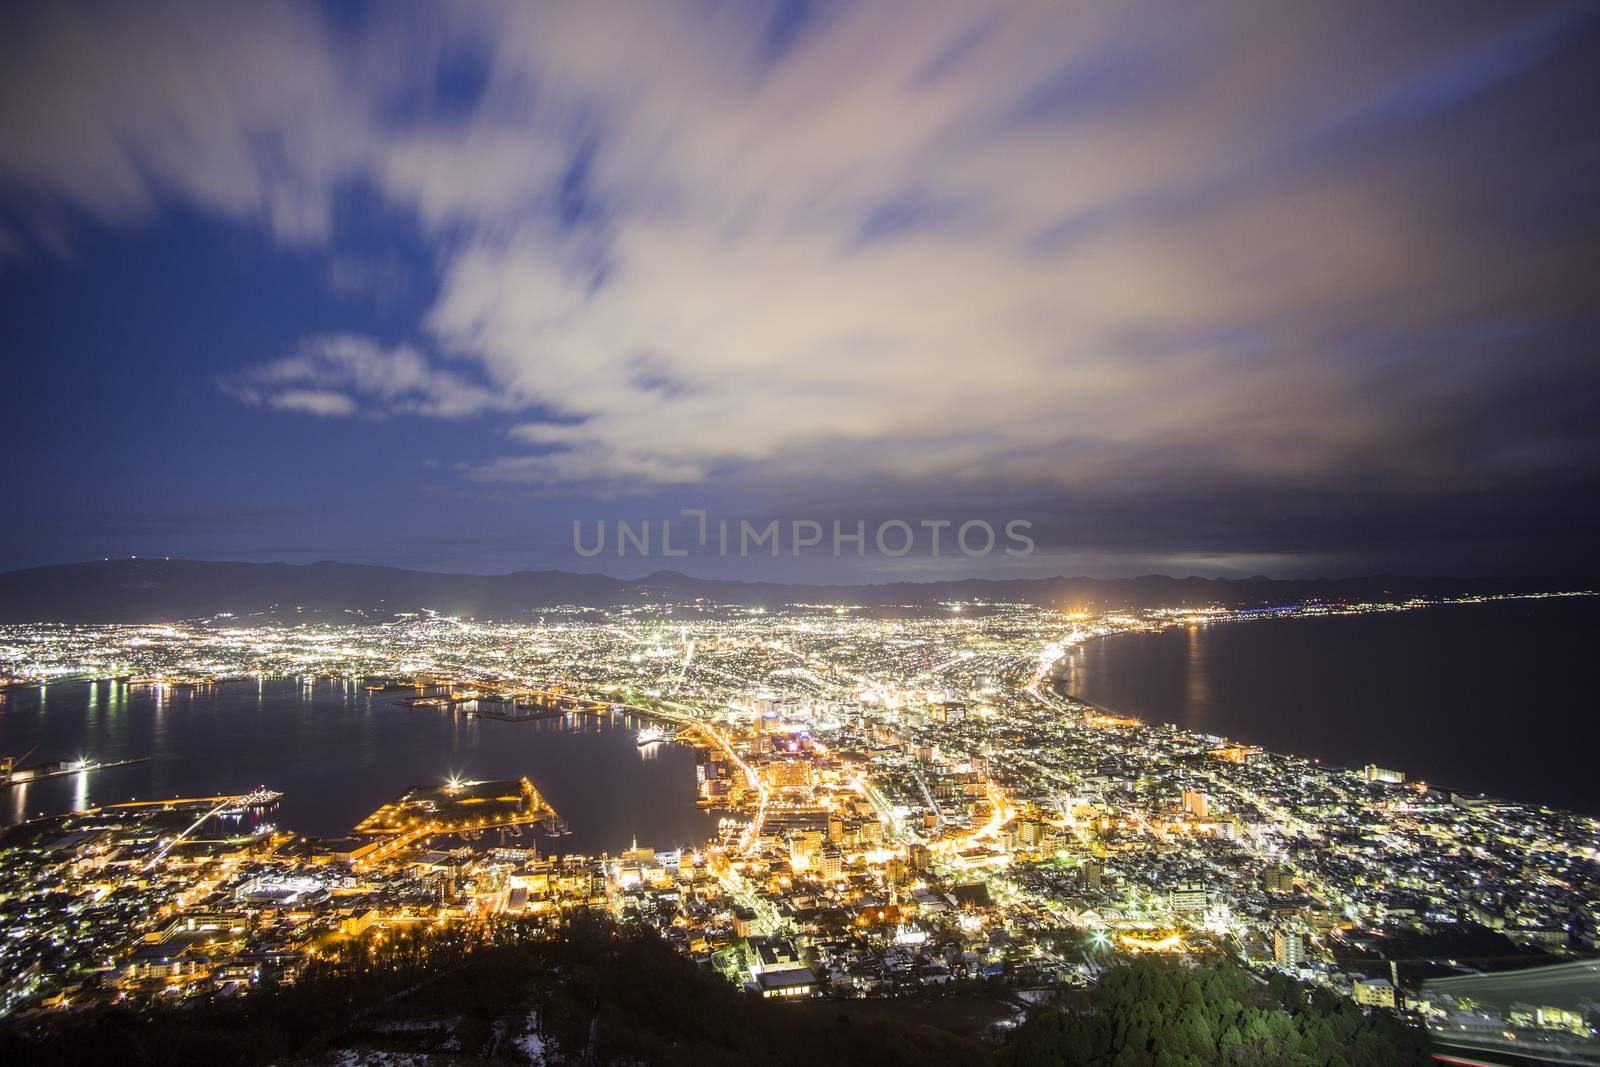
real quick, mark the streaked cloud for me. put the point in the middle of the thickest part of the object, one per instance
(345, 374)
(1091, 248)
(309, 401)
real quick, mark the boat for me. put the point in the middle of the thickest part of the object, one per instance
(651, 735)
(259, 797)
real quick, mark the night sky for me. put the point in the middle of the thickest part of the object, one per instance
(1221, 289)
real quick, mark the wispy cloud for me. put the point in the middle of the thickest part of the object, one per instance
(344, 374)
(1092, 248)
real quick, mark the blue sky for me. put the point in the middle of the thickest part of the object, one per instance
(1216, 289)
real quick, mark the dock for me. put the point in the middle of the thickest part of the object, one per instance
(24, 775)
(512, 707)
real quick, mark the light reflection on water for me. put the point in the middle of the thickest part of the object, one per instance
(1197, 688)
(337, 752)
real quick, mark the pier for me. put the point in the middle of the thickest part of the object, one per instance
(457, 807)
(25, 775)
(522, 706)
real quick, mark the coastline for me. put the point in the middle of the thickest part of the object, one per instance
(1263, 726)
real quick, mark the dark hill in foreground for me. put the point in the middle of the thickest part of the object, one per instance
(136, 590)
(592, 993)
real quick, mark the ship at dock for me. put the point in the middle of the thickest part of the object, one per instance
(259, 797)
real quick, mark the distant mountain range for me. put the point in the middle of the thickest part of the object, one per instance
(138, 590)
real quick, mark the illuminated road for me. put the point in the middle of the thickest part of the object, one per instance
(886, 815)
(753, 833)
(175, 802)
(164, 849)
(1002, 814)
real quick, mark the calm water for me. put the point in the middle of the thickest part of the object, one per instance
(337, 752)
(1498, 698)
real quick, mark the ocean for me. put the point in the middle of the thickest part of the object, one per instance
(1498, 697)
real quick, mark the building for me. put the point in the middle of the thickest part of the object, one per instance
(1374, 993)
(344, 849)
(1189, 897)
(772, 954)
(1091, 875)
(793, 982)
(1196, 803)
(1028, 834)
(832, 863)
(805, 848)
(1288, 948)
(789, 774)
(1374, 773)
(359, 921)
(1278, 879)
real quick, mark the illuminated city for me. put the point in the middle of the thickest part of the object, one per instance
(799, 533)
(903, 804)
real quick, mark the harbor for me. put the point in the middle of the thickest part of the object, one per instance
(334, 748)
(504, 706)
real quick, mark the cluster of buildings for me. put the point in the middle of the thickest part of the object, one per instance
(907, 804)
